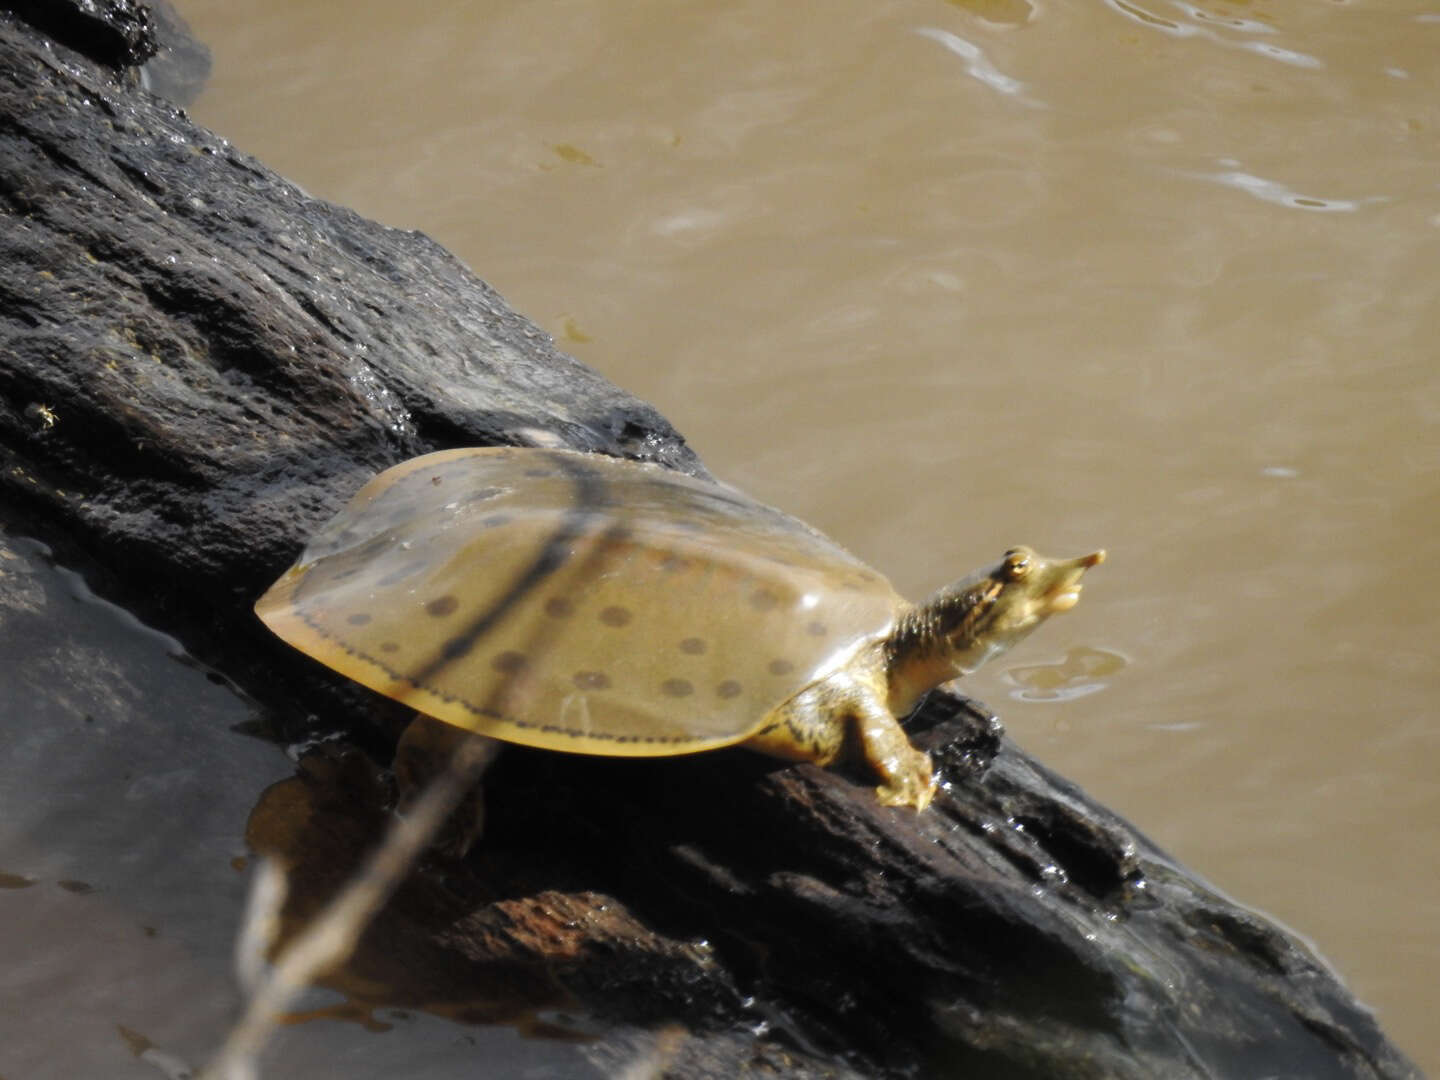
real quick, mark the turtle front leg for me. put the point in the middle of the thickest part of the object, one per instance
(815, 726)
(909, 778)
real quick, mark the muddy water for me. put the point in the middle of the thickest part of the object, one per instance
(943, 277)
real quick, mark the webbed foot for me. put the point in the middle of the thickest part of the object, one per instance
(909, 779)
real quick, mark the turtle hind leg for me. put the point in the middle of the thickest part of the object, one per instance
(808, 727)
(821, 722)
(427, 748)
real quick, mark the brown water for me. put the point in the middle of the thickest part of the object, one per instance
(943, 277)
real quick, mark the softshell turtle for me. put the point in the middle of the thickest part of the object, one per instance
(580, 602)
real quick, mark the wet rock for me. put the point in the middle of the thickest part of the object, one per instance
(117, 34)
(199, 363)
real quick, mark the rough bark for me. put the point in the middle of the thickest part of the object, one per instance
(199, 363)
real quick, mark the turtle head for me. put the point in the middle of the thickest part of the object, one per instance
(981, 615)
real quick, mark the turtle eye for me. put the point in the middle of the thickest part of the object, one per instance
(1017, 564)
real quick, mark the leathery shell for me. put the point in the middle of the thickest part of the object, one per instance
(575, 601)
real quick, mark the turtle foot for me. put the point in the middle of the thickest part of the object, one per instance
(910, 783)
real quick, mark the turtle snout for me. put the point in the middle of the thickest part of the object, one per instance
(1066, 593)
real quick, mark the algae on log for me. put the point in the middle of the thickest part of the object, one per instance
(199, 364)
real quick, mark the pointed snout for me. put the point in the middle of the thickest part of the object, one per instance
(1065, 593)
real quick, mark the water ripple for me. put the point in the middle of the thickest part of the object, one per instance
(1190, 30)
(1272, 191)
(978, 65)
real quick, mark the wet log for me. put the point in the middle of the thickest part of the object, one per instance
(199, 363)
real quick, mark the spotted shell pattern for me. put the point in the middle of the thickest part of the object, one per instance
(575, 601)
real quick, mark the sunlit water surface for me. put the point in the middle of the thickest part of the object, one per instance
(944, 277)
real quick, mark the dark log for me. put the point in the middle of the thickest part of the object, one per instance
(199, 363)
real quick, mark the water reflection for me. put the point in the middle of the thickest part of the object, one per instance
(1083, 671)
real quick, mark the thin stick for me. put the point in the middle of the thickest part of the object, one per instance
(332, 935)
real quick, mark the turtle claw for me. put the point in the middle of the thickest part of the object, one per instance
(912, 783)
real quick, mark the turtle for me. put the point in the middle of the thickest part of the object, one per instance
(581, 602)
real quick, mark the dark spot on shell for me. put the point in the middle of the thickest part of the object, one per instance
(559, 607)
(677, 688)
(591, 680)
(539, 474)
(615, 616)
(728, 689)
(763, 600)
(389, 646)
(456, 648)
(510, 662)
(673, 564)
(817, 629)
(780, 667)
(692, 645)
(495, 520)
(442, 606)
(479, 495)
(360, 618)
